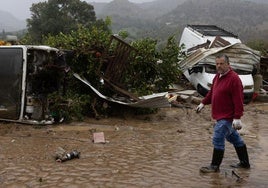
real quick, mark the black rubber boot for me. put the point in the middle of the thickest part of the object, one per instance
(242, 154)
(216, 162)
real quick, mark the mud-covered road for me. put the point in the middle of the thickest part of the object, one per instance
(160, 150)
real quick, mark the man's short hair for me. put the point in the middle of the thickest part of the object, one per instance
(224, 56)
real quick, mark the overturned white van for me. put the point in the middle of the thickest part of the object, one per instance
(28, 74)
(203, 43)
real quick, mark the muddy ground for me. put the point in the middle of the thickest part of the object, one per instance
(160, 150)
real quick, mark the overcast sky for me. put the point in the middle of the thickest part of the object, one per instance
(20, 8)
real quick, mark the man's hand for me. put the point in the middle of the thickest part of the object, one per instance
(237, 124)
(199, 107)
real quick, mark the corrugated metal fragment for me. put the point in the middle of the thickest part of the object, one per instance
(149, 101)
(240, 56)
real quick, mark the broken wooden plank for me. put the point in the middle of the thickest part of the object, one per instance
(188, 92)
(120, 90)
(184, 98)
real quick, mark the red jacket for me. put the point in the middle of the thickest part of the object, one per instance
(226, 97)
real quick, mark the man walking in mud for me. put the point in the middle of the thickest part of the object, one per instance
(226, 99)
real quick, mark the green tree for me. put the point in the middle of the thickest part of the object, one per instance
(87, 47)
(168, 68)
(142, 72)
(153, 70)
(59, 16)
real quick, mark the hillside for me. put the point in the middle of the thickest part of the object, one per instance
(9, 23)
(123, 8)
(162, 18)
(158, 8)
(246, 19)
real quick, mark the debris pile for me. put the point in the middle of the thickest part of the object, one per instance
(183, 99)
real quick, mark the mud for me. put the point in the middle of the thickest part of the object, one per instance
(161, 150)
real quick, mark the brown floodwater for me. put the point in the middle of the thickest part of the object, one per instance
(161, 150)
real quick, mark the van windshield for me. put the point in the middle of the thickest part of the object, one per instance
(242, 72)
(210, 69)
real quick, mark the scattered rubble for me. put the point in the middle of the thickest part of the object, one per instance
(184, 98)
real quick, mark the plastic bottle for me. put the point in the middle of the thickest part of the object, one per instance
(71, 155)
